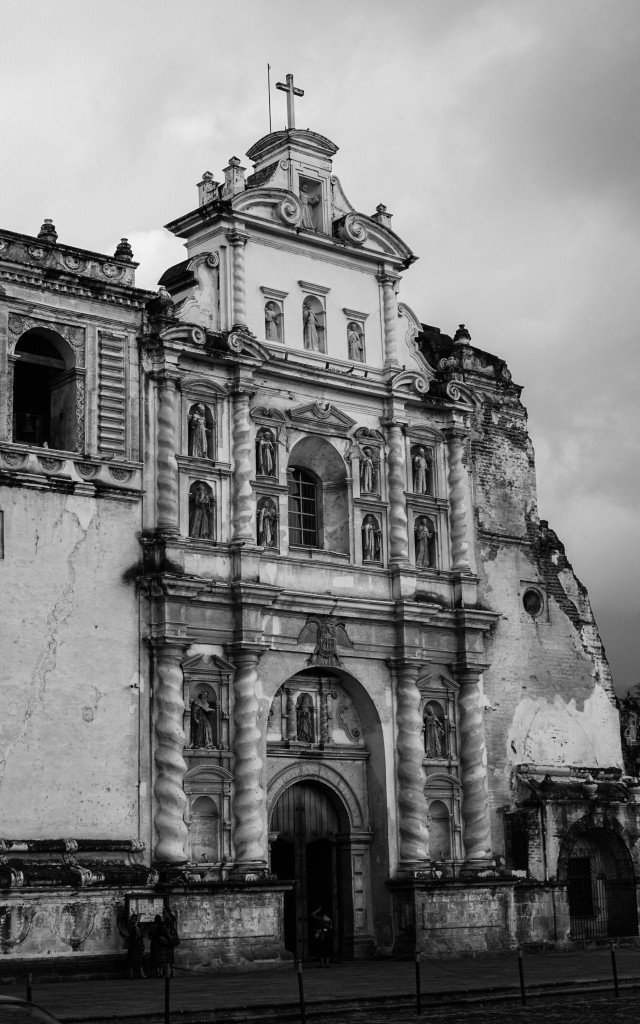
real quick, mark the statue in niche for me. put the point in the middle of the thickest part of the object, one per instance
(422, 536)
(266, 454)
(312, 329)
(371, 539)
(202, 722)
(308, 202)
(355, 342)
(433, 733)
(304, 719)
(272, 322)
(420, 466)
(201, 509)
(368, 472)
(198, 443)
(268, 524)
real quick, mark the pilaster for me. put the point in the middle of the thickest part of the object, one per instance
(249, 809)
(412, 803)
(238, 241)
(170, 800)
(167, 500)
(473, 763)
(390, 316)
(398, 524)
(243, 517)
(456, 438)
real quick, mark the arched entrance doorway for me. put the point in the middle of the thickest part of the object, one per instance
(600, 886)
(306, 823)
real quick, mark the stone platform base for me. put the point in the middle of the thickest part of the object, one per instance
(476, 916)
(72, 933)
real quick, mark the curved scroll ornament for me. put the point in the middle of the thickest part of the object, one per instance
(15, 925)
(289, 210)
(347, 719)
(398, 528)
(171, 801)
(457, 473)
(242, 473)
(249, 797)
(414, 834)
(473, 761)
(353, 229)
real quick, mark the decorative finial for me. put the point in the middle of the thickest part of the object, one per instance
(233, 178)
(382, 216)
(461, 336)
(291, 91)
(207, 189)
(47, 232)
(123, 250)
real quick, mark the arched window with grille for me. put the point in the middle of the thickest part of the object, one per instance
(304, 526)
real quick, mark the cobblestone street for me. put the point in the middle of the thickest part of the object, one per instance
(588, 1008)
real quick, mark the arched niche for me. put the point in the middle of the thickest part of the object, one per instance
(48, 392)
(314, 335)
(425, 536)
(201, 431)
(436, 730)
(202, 518)
(440, 832)
(208, 814)
(316, 457)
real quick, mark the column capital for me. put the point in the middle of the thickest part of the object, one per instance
(393, 421)
(388, 277)
(167, 376)
(237, 236)
(168, 645)
(456, 432)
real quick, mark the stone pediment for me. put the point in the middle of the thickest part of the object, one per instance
(321, 418)
(206, 666)
(436, 677)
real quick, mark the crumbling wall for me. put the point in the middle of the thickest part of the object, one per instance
(548, 692)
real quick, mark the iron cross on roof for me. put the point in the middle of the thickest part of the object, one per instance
(291, 91)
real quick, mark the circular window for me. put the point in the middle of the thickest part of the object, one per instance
(533, 603)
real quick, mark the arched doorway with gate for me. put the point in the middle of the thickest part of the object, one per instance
(326, 811)
(601, 891)
(307, 822)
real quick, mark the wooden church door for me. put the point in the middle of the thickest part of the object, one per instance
(307, 824)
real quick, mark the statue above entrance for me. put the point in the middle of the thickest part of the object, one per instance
(328, 634)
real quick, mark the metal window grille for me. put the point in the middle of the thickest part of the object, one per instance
(303, 510)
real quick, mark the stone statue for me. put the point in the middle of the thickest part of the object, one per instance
(304, 719)
(266, 454)
(420, 467)
(312, 327)
(355, 342)
(433, 733)
(371, 539)
(202, 722)
(272, 322)
(200, 519)
(308, 202)
(422, 535)
(198, 443)
(367, 472)
(268, 525)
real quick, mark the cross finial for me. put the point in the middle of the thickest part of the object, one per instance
(291, 91)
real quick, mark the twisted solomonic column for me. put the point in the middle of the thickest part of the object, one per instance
(242, 469)
(167, 502)
(170, 765)
(398, 528)
(292, 725)
(248, 801)
(473, 762)
(457, 478)
(412, 803)
(239, 284)
(390, 314)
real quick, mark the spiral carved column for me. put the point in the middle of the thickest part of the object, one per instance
(292, 725)
(473, 761)
(248, 801)
(390, 314)
(398, 527)
(239, 280)
(457, 476)
(243, 528)
(168, 509)
(170, 765)
(412, 803)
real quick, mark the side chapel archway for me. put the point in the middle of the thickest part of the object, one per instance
(597, 868)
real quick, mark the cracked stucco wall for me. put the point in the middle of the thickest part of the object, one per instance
(69, 667)
(548, 691)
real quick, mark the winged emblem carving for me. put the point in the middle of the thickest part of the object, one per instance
(327, 634)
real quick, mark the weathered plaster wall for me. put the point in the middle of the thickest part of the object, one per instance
(548, 693)
(69, 728)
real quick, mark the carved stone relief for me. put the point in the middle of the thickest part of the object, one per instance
(310, 710)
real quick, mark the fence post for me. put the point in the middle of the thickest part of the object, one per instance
(29, 987)
(521, 973)
(303, 1008)
(416, 957)
(167, 993)
(615, 970)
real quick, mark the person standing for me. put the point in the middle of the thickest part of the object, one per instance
(135, 946)
(323, 935)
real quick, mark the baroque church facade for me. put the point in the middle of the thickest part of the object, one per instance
(283, 627)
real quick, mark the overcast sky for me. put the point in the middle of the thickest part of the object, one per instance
(503, 136)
